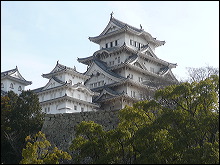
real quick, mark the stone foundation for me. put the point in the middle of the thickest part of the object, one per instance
(60, 128)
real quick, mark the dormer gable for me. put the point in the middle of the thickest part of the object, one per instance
(53, 82)
(15, 75)
(60, 69)
(110, 28)
(105, 94)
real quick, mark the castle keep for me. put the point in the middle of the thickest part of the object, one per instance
(125, 69)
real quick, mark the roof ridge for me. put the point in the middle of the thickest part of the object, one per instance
(125, 24)
(12, 70)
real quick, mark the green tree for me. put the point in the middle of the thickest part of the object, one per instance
(180, 125)
(20, 116)
(39, 151)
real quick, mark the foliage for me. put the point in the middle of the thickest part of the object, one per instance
(38, 151)
(21, 116)
(180, 125)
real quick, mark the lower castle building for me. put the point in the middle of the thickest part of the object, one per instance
(65, 92)
(12, 80)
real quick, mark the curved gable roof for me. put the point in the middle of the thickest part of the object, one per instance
(121, 26)
(18, 77)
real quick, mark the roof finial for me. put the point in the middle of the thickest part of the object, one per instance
(140, 26)
(57, 61)
(111, 15)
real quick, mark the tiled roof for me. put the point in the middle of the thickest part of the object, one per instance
(124, 27)
(37, 90)
(58, 80)
(7, 74)
(111, 91)
(122, 24)
(62, 67)
(104, 66)
(163, 70)
(131, 58)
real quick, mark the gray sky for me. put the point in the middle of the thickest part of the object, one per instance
(34, 35)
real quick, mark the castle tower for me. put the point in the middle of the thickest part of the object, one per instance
(125, 69)
(65, 92)
(12, 80)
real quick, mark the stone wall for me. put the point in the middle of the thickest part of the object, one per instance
(59, 128)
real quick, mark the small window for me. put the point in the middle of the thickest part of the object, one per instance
(11, 86)
(139, 45)
(111, 44)
(82, 109)
(75, 107)
(48, 109)
(118, 59)
(152, 69)
(135, 43)
(140, 79)
(19, 88)
(2, 85)
(131, 42)
(106, 45)
(45, 110)
(116, 42)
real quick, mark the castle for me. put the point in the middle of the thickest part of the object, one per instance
(123, 71)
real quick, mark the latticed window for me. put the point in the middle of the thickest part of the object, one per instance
(19, 88)
(11, 86)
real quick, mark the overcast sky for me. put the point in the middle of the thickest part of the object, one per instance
(34, 35)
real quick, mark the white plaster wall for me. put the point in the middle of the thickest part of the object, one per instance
(119, 37)
(74, 78)
(135, 74)
(65, 107)
(67, 76)
(139, 39)
(148, 65)
(16, 85)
